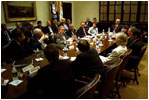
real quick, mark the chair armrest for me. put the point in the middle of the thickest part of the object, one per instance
(134, 57)
(87, 78)
(80, 81)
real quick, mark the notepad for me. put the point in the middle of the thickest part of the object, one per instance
(72, 58)
(16, 82)
(5, 82)
(39, 59)
(2, 70)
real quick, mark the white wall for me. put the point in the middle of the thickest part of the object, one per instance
(43, 14)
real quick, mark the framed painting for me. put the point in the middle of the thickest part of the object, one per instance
(20, 10)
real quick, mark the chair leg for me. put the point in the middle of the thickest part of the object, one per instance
(138, 72)
(117, 90)
(135, 77)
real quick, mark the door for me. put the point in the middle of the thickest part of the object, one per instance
(67, 11)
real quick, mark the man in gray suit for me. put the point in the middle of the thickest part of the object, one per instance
(61, 37)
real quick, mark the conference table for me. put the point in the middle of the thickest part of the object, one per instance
(13, 92)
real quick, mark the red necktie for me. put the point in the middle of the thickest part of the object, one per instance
(115, 28)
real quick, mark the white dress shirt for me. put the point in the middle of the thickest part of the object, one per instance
(93, 31)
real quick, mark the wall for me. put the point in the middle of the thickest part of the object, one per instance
(84, 9)
(43, 13)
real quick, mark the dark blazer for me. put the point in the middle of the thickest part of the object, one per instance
(89, 24)
(4, 40)
(88, 63)
(16, 51)
(42, 28)
(135, 46)
(69, 32)
(55, 28)
(118, 29)
(81, 33)
(34, 44)
(47, 30)
(60, 40)
(55, 79)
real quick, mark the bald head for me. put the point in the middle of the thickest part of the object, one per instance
(117, 21)
(82, 25)
(63, 20)
(18, 25)
(48, 23)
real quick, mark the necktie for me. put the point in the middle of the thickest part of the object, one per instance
(115, 28)
(43, 44)
(84, 32)
(72, 33)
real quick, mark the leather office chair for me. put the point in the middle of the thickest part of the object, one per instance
(125, 58)
(87, 91)
(107, 84)
(133, 67)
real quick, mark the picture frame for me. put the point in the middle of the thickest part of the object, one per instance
(20, 11)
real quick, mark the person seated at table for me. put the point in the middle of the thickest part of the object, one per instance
(18, 28)
(61, 37)
(15, 49)
(55, 79)
(135, 43)
(117, 26)
(93, 29)
(37, 41)
(68, 22)
(71, 31)
(63, 23)
(121, 41)
(55, 26)
(125, 29)
(81, 32)
(6, 36)
(88, 23)
(50, 33)
(87, 62)
(39, 25)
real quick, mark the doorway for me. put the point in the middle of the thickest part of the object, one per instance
(67, 11)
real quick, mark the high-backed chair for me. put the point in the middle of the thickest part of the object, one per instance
(125, 58)
(107, 84)
(88, 91)
(133, 67)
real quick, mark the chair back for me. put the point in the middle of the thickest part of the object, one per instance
(125, 58)
(108, 81)
(143, 49)
(88, 91)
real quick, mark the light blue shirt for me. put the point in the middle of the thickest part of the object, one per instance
(93, 31)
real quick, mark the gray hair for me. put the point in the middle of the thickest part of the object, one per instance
(121, 39)
(133, 29)
(36, 31)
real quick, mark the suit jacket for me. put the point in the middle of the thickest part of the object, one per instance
(47, 30)
(69, 32)
(16, 51)
(61, 24)
(55, 28)
(81, 33)
(88, 63)
(34, 44)
(4, 40)
(42, 28)
(55, 79)
(89, 24)
(114, 56)
(135, 45)
(118, 29)
(60, 40)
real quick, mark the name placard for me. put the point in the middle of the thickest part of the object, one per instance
(27, 68)
(34, 70)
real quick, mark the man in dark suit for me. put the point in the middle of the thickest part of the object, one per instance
(117, 26)
(135, 43)
(88, 23)
(54, 80)
(15, 49)
(39, 25)
(29, 33)
(88, 62)
(55, 26)
(71, 31)
(64, 24)
(37, 41)
(81, 32)
(6, 36)
(49, 32)
(18, 28)
(61, 37)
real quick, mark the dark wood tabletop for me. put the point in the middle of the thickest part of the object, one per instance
(16, 91)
